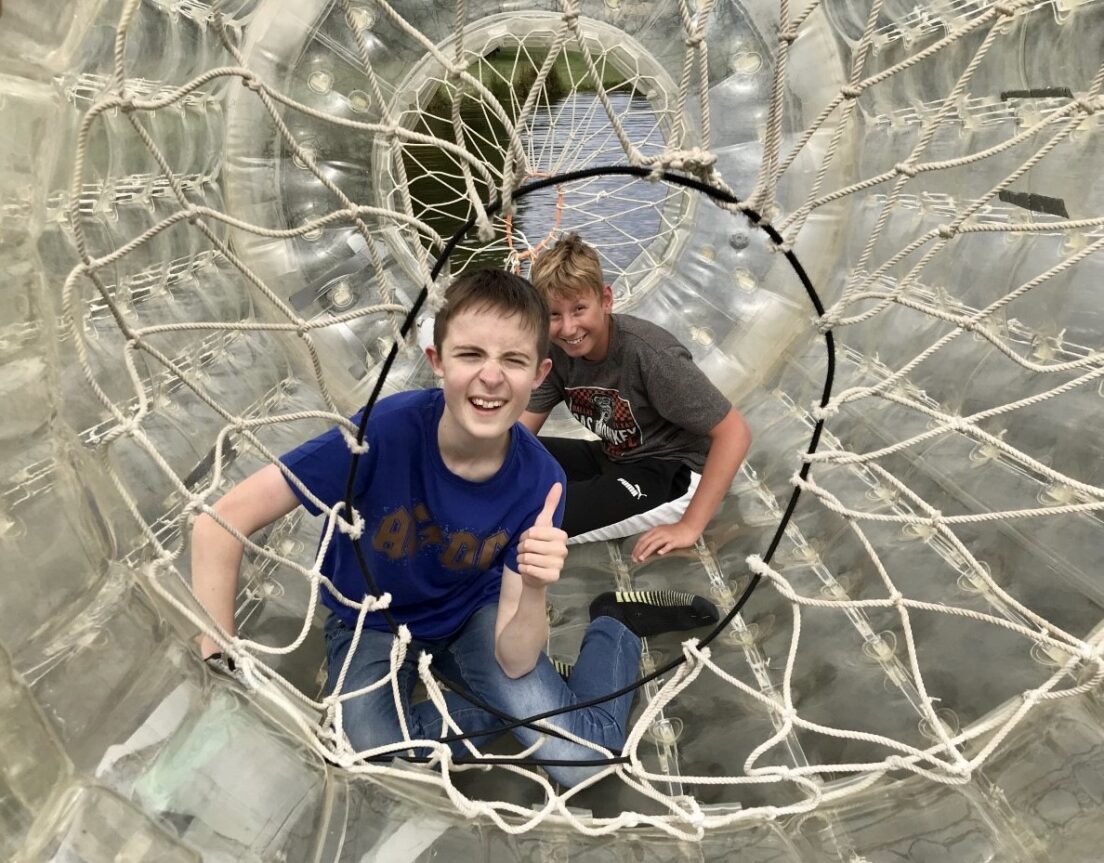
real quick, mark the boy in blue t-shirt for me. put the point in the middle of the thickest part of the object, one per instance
(460, 507)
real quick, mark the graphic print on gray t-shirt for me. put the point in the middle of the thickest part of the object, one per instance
(604, 412)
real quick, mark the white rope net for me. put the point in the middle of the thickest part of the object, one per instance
(464, 130)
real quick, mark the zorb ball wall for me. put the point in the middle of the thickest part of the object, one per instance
(213, 221)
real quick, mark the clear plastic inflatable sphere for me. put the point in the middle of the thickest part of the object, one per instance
(214, 221)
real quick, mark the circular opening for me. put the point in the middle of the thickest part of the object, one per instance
(563, 124)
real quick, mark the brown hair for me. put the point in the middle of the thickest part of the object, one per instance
(569, 268)
(501, 291)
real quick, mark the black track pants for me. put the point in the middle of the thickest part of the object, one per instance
(602, 492)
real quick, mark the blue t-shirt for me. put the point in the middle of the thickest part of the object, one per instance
(435, 541)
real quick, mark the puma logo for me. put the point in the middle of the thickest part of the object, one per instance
(634, 490)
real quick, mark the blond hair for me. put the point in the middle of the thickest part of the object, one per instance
(567, 269)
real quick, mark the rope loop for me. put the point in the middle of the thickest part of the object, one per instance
(353, 529)
(351, 442)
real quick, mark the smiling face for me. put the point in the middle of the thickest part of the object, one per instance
(488, 366)
(579, 323)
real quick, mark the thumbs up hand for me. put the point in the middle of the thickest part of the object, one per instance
(542, 549)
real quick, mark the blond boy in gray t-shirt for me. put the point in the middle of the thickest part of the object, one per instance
(669, 441)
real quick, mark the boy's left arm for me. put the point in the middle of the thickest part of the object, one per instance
(521, 628)
(729, 443)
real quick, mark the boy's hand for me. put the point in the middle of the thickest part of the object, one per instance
(664, 538)
(543, 547)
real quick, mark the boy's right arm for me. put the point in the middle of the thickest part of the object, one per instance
(534, 421)
(253, 503)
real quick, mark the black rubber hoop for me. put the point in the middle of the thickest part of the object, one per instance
(408, 323)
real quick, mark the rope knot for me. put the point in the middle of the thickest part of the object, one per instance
(851, 91)
(789, 36)
(694, 40)
(1086, 105)
(435, 295)
(126, 104)
(127, 427)
(905, 168)
(694, 160)
(252, 82)
(827, 322)
(945, 231)
(485, 232)
(1005, 8)
(192, 215)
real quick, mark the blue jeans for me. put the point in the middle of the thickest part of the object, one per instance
(608, 660)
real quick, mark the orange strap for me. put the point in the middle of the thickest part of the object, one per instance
(516, 257)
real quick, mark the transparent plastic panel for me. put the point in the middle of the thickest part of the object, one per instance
(32, 760)
(1059, 805)
(94, 825)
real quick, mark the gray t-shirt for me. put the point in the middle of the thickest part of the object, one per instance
(646, 399)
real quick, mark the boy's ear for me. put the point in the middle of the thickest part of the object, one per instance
(434, 360)
(543, 368)
(607, 298)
